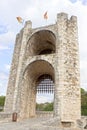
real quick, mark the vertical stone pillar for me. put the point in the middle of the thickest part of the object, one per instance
(17, 92)
(60, 47)
(13, 91)
(13, 73)
(67, 95)
(71, 93)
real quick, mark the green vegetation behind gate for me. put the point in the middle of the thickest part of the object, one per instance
(44, 106)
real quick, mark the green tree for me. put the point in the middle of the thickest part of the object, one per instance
(44, 106)
(83, 102)
(2, 100)
(48, 107)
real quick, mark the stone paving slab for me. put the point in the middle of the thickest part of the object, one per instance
(29, 124)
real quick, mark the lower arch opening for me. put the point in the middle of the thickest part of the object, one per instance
(39, 82)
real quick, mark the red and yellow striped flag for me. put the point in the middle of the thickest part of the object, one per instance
(46, 15)
(20, 20)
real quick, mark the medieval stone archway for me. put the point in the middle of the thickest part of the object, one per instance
(49, 50)
(32, 75)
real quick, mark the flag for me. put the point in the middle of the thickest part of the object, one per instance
(45, 15)
(20, 20)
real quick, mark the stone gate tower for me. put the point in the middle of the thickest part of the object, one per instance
(50, 50)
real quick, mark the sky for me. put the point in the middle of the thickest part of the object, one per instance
(33, 10)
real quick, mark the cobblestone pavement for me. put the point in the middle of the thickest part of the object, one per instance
(29, 124)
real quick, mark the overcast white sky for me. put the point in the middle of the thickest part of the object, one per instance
(33, 10)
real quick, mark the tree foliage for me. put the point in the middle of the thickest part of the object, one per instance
(2, 100)
(83, 102)
(44, 106)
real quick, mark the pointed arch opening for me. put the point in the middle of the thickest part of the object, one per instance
(41, 42)
(38, 78)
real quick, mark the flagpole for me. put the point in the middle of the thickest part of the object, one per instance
(46, 22)
(46, 17)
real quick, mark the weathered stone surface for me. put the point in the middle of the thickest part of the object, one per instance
(62, 63)
(33, 124)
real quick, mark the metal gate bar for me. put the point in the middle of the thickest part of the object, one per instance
(46, 84)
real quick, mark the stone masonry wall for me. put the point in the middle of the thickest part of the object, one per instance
(13, 73)
(68, 68)
(63, 65)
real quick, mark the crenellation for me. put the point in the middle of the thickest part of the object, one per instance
(74, 20)
(62, 16)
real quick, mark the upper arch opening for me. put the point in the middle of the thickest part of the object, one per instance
(41, 42)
